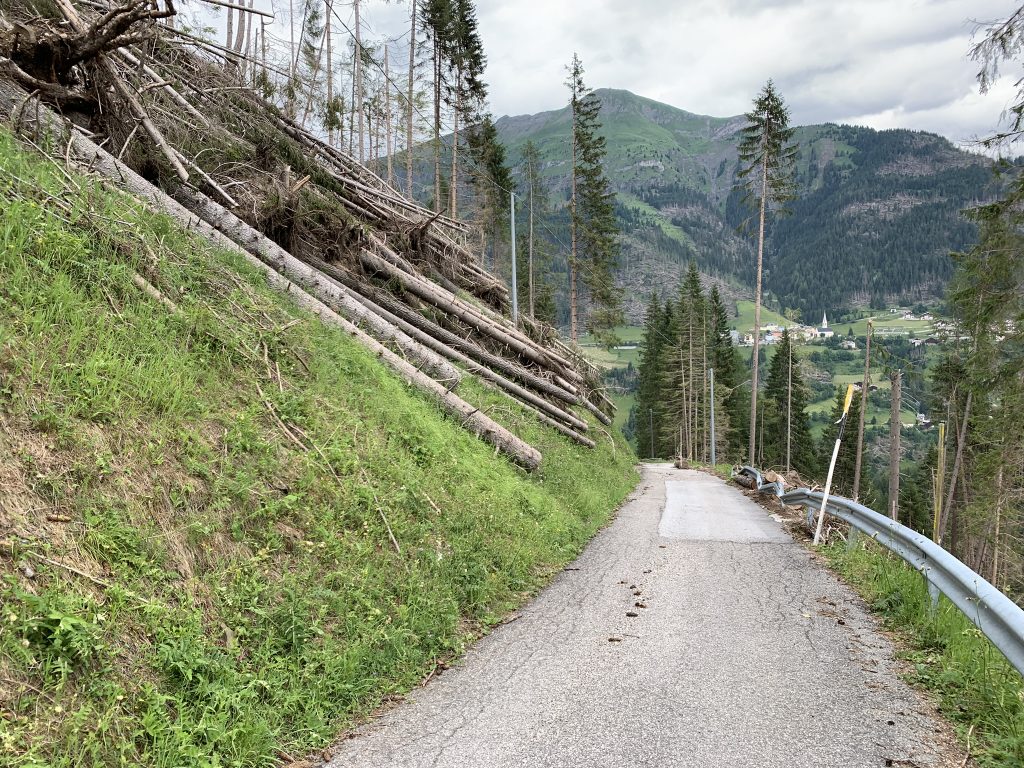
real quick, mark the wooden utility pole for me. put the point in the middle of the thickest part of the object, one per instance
(865, 384)
(388, 117)
(437, 124)
(894, 445)
(409, 114)
(961, 441)
(240, 32)
(940, 483)
(999, 515)
(229, 41)
(330, 70)
(711, 376)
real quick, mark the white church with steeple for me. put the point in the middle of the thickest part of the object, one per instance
(824, 332)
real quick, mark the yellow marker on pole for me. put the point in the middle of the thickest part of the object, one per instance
(832, 465)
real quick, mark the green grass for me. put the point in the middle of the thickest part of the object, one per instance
(659, 219)
(977, 689)
(744, 322)
(623, 404)
(628, 334)
(246, 596)
(886, 324)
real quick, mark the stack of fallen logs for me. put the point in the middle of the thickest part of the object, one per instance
(148, 101)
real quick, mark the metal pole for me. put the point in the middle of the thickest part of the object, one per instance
(832, 465)
(940, 481)
(789, 408)
(711, 374)
(515, 287)
(650, 412)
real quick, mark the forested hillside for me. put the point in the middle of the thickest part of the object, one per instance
(878, 211)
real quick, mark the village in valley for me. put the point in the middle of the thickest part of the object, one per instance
(829, 354)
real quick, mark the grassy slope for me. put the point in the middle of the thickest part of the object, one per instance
(978, 690)
(245, 595)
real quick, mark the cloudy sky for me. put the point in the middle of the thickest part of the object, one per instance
(883, 63)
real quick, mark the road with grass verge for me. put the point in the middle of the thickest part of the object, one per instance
(693, 631)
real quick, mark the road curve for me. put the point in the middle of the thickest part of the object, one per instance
(743, 651)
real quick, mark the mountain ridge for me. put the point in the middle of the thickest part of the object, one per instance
(877, 215)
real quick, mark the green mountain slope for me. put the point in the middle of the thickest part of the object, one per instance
(226, 530)
(877, 216)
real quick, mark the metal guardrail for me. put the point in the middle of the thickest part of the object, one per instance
(997, 616)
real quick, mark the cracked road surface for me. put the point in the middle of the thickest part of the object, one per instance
(693, 631)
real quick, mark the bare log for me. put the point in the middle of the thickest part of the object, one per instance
(436, 296)
(240, 8)
(601, 415)
(93, 157)
(166, 87)
(446, 337)
(520, 393)
(150, 290)
(581, 439)
(274, 256)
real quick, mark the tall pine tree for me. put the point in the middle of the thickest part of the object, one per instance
(535, 280)
(594, 230)
(767, 166)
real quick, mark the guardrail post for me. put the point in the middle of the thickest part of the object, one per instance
(933, 594)
(852, 539)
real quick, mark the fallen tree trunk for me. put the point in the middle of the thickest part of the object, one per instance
(581, 439)
(274, 256)
(436, 296)
(601, 415)
(90, 156)
(519, 392)
(446, 337)
(484, 314)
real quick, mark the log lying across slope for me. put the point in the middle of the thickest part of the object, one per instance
(324, 228)
(90, 155)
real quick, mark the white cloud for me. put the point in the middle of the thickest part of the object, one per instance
(884, 63)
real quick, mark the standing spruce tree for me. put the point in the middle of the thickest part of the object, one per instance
(536, 278)
(768, 161)
(786, 420)
(490, 177)
(467, 92)
(652, 362)
(729, 400)
(595, 233)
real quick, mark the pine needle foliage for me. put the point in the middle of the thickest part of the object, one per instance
(768, 161)
(595, 230)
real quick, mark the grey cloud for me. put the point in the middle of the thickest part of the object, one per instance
(881, 62)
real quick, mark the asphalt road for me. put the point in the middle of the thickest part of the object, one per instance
(693, 631)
